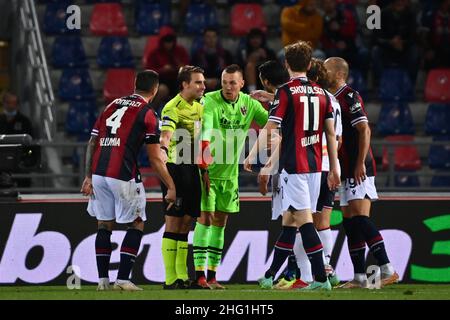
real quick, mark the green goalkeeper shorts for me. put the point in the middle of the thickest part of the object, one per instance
(223, 196)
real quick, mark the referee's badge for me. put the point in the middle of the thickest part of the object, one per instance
(244, 110)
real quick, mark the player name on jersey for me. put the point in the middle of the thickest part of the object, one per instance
(306, 90)
(110, 142)
(127, 102)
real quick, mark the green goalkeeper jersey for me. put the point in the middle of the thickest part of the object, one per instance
(225, 125)
(179, 115)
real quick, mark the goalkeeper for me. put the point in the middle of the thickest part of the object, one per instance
(227, 116)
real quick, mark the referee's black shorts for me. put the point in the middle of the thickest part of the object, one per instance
(189, 190)
(326, 196)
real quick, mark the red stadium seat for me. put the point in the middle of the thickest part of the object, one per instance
(150, 182)
(245, 16)
(107, 19)
(152, 44)
(406, 157)
(437, 87)
(118, 83)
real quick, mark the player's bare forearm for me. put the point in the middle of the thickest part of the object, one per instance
(165, 138)
(154, 156)
(89, 154)
(331, 144)
(364, 141)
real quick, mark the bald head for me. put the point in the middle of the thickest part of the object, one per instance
(337, 69)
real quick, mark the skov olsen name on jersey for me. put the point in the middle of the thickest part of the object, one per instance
(307, 90)
(110, 142)
(307, 141)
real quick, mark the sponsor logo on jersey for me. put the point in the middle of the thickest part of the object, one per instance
(307, 141)
(355, 108)
(109, 142)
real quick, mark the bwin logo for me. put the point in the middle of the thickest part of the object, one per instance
(73, 17)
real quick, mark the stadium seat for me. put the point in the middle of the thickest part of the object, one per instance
(406, 181)
(115, 52)
(286, 3)
(81, 117)
(395, 85)
(438, 119)
(198, 17)
(107, 19)
(357, 82)
(395, 118)
(437, 86)
(150, 17)
(440, 181)
(55, 17)
(152, 44)
(245, 16)
(152, 181)
(406, 157)
(68, 52)
(75, 84)
(103, 1)
(439, 156)
(118, 83)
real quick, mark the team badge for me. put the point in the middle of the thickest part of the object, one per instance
(244, 110)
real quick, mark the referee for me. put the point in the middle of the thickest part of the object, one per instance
(181, 121)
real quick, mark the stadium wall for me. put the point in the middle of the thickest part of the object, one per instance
(40, 239)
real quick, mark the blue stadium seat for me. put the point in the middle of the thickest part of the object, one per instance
(438, 119)
(287, 2)
(152, 16)
(115, 52)
(395, 118)
(395, 85)
(75, 84)
(198, 17)
(439, 156)
(406, 181)
(357, 82)
(81, 117)
(68, 52)
(440, 181)
(55, 18)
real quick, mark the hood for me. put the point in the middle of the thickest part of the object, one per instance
(166, 31)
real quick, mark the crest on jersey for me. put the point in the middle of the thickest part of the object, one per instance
(355, 107)
(244, 110)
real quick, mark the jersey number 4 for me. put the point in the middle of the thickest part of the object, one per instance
(114, 120)
(311, 109)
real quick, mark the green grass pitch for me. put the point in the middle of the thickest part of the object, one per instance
(233, 292)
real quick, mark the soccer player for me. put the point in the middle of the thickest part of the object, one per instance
(358, 175)
(183, 112)
(113, 181)
(227, 116)
(304, 111)
(325, 203)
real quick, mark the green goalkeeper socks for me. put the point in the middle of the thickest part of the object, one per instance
(215, 247)
(181, 258)
(169, 253)
(201, 241)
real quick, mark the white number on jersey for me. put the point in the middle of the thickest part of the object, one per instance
(114, 120)
(316, 109)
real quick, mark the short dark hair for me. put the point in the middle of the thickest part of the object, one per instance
(232, 68)
(318, 73)
(210, 29)
(146, 80)
(185, 72)
(298, 56)
(274, 72)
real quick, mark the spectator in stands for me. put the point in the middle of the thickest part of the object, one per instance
(212, 58)
(12, 121)
(302, 22)
(339, 31)
(251, 54)
(395, 43)
(167, 59)
(438, 38)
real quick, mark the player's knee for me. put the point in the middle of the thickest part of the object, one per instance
(136, 224)
(105, 225)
